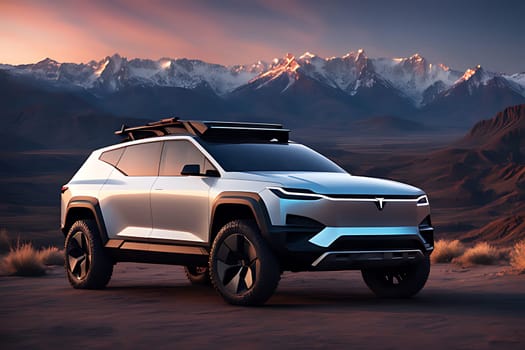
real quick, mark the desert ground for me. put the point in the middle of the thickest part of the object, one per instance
(154, 306)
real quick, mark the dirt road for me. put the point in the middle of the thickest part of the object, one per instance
(154, 307)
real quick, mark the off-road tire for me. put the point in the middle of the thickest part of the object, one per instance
(198, 275)
(87, 264)
(399, 282)
(243, 269)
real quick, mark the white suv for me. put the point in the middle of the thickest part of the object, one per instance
(237, 204)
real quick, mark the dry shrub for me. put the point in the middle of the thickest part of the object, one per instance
(5, 241)
(23, 260)
(51, 256)
(481, 254)
(517, 256)
(445, 251)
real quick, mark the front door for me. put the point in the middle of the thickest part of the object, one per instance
(180, 204)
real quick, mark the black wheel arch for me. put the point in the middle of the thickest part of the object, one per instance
(85, 207)
(230, 206)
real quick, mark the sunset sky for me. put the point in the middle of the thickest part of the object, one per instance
(458, 33)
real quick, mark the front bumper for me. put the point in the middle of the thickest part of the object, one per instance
(349, 248)
(311, 231)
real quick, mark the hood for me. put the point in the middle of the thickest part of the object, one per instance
(331, 183)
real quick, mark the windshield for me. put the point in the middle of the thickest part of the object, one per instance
(269, 157)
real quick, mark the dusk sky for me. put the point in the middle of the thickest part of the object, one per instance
(458, 33)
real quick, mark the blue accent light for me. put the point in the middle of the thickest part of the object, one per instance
(330, 234)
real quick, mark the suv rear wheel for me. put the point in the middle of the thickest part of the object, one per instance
(198, 275)
(401, 282)
(243, 269)
(87, 264)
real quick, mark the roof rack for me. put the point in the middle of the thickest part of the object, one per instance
(208, 130)
(158, 128)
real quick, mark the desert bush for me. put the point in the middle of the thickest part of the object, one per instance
(481, 254)
(517, 256)
(23, 260)
(5, 241)
(51, 256)
(445, 251)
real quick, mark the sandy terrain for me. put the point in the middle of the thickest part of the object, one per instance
(153, 306)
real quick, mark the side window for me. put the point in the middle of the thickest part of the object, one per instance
(112, 157)
(141, 160)
(208, 166)
(176, 154)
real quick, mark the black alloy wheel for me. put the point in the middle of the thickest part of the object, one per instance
(237, 264)
(243, 268)
(78, 255)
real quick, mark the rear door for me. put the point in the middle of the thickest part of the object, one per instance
(125, 197)
(180, 204)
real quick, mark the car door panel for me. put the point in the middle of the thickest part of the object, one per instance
(180, 204)
(125, 197)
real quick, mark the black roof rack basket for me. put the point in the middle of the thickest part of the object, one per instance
(208, 130)
(158, 128)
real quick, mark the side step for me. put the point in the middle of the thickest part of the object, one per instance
(122, 250)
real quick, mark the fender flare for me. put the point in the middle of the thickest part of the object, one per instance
(92, 204)
(249, 199)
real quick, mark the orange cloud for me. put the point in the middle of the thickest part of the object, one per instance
(84, 30)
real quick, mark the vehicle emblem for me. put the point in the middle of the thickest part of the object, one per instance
(380, 204)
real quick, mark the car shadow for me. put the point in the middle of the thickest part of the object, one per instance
(430, 300)
(435, 301)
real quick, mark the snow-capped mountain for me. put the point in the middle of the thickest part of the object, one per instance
(348, 73)
(413, 77)
(115, 72)
(416, 77)
(342, 87)
(473, 78)
(476, 79)
(285, 67)
(517, 81)
(475, 95)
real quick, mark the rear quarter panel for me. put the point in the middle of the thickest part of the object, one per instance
(86, 182)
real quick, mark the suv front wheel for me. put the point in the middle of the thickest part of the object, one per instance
(87, 264)
(243, 269)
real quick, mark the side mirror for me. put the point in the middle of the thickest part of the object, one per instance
(213, 173)
(191, 170)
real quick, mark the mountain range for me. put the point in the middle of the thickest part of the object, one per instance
(306, 90)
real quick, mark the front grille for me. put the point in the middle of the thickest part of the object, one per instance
(368, 243)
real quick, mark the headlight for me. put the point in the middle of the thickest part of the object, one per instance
(294, 193)
(421, 201)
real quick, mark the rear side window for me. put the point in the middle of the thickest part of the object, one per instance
(177, 154)
(141, 160)
(112, 157)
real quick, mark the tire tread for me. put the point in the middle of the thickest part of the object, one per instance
(270, 275)
(101, 265)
